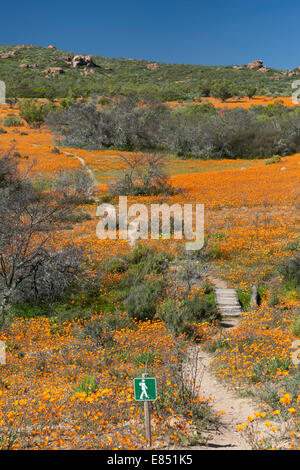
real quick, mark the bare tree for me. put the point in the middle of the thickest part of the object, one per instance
(28, 223)
(143, 175)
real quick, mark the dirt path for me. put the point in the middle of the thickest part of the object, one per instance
(235, 410)
(83, 163)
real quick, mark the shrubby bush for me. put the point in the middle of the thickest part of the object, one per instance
(12, 121)
(144, 176)
(143, 281)
(272, 160)
(224, 91)
(73, 182)
(192, 131)
(290, 269)
(33, 112)
(34, 272)
(141, 300)
(121, 125)
(52, 278)
(180, 316)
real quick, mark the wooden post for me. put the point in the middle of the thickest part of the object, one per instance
(147, 417)
(2, 353)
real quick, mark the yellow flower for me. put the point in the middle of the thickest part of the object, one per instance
(286, 399)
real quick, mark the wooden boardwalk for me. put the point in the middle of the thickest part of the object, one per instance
(227, 302)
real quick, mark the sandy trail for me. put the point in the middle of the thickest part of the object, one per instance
(83, 163)
(236, 409)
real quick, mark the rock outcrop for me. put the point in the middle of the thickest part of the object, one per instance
(28, 66)
(9, 54)
(152, 66)
(83, 61)
(54, 70)
(263, 69)
(256, 64)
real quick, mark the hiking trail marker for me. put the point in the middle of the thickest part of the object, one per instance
(145, 390)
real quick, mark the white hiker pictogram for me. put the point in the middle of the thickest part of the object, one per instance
(144, 388)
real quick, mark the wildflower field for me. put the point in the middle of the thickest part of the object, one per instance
(68, 383)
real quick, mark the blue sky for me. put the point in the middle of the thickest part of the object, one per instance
(215, 32)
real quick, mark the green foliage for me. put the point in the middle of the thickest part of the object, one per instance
(244, 298)
(146, 358)
(96, 331)
(143, 281)
(193, 131)
(274, 159)
(251, 91)
(122, 77)
(223, 90)
(218, 345)
(87, 385)
(141, 262)
(12, 121)
(180, 316)
(271, 392)
(264, 370)
(34, 113)
(116, 265)
(141, 300)
(295, 325)
(290, 270)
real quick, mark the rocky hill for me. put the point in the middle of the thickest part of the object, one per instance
(31, 71)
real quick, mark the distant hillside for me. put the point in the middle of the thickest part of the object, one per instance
(31, 71)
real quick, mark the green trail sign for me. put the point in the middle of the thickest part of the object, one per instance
(145, 389)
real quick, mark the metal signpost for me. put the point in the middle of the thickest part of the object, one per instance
(145, 390)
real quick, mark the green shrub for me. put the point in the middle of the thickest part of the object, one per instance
(274, 159)
(223, 91)
(295, 325)
(250, 92)
(34, 113)
(116, 265)
(290, 269)
(263, 370)
(140, 303)
(2, 131)
(244, 298)
(96, 331)
(12, 121)
(146, 358)
(87, 385)
(145, 260)
(180, 316)
(113, 321)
